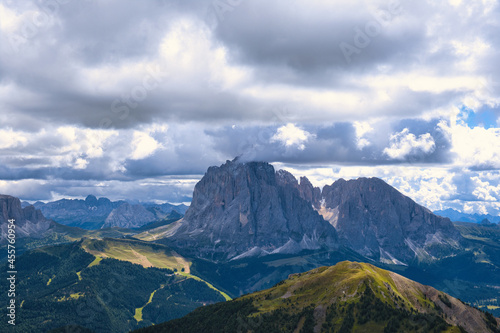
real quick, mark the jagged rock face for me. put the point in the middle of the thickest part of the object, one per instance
(310, 193)
(248, 209)
(29, 221)
(242, 207)
(376, 220)
(129, 216)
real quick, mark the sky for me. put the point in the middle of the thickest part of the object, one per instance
(136, 99)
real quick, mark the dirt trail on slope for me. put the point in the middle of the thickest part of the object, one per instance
(143, 260)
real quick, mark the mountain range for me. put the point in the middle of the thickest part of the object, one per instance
(34, 230)
(250, 210)
(93, 213)
(457, 216)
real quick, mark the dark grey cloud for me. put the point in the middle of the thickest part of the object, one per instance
(111, 32)
(283, 34)
(337, 144)
(296, 44)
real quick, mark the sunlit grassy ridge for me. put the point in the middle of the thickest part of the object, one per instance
(160, 232)
(489, 235)
(96, 261)
(71, 297)
(102, 293)
(144, 254)
(347, 297)
(345, 281)
(226, 296)
(137, 252)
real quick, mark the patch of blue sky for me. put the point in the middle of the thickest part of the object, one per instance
(486, 117)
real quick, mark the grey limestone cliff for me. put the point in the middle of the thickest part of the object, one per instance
(29, 222)
(241, 209)
(378, 221)
(129, 216)
(249, 209)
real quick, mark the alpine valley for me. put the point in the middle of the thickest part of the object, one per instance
(354, 256)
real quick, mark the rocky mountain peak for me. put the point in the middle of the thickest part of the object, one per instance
(247, 209)
(29, 221)
(310, 193)
(486, 222)
(378, 221)
(103, 201)
(241, 207)
(129, 216)
(285, 178)
(91, 200)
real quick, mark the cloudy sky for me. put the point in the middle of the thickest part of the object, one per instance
(135, 99)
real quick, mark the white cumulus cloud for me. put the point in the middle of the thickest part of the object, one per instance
(291, 135)
(361, 129)
(405, 143)
(10, 139)
(143, 145)
(476, 146)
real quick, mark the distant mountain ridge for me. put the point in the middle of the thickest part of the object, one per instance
(33, 229)
(457, 216)
(129, 216)
(93, 213)
(167, 207)
(249, 209)
(90, 213)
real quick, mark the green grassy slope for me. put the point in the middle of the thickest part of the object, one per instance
(137, 252)
(347, 297)
(60, 234)
(100, 294)
(144, 254)
(252, 274)
(489, 235)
